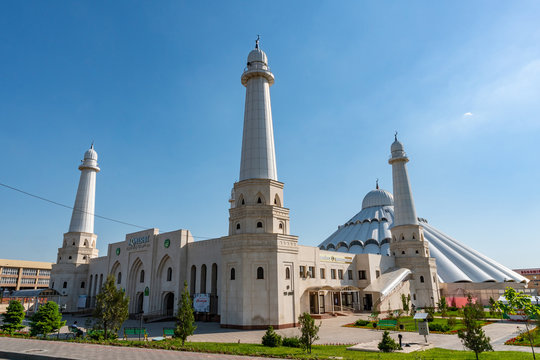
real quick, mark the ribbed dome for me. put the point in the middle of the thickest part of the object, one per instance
(90, 154)
(396, 146)
(377, 197)
(257, 55)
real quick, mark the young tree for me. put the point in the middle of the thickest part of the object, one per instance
(518, 301)
(185, 321)
(309, 331)
(443, 306)
(14, 317)
(111, 308)
(46, 320)
(473, 337)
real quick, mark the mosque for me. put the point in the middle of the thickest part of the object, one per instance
(258, 274)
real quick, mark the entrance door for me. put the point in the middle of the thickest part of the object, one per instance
(168, 304)
(368, 302)
(140, 302)
(321, 304)
(313, 303)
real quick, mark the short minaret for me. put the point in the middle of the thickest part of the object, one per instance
(259, 250)
(258, 154)
(82, 219)
(408, 244)
(70, 273)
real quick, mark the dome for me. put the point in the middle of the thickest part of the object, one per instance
(90, 154)
(377, 197)
(396, 146)
(369, 232)
(257, 55)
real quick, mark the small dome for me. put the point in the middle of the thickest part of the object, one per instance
(377, 197)
(257, 55)
(396, 146)
(90, 154)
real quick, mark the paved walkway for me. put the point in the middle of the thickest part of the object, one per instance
(331, 332)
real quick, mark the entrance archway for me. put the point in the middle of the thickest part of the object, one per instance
(168, 304)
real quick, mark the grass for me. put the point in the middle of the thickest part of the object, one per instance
(408, 323)
(319, 351)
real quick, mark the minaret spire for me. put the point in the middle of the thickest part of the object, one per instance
(404, 210)
(258, 154)
(82, 219)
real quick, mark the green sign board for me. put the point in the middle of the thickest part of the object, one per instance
(117, 251)
(146, 291)
(167, 243)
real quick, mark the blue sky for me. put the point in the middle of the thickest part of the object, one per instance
(157, 86)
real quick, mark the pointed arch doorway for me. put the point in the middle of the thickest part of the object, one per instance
(168, 304)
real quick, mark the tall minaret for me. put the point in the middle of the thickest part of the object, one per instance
(259, 249)
(82, 219)
(258, 154)
(408, 244)
(70, 273)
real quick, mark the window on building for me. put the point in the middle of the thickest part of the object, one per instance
(237, 226)
(259, 224)
(243, 202)
(340, 274)
(281, 225)
(29, 272)
(311, 271)
(82, 284)
(260, 273)
(414, 296)
(287, 273)
(141, 279)
(377, 273)
(333, 273)
(417, 251)
(403, 253)
(259, 201)
(64, 286)
(119, 280)
(84, 257)
(69, 258)
(169, 274)
(302, 271)
(233, 274)
(73, 243)
(322, 272)
(349, 274)
(421, 279)
(361, 274)
(10, 271)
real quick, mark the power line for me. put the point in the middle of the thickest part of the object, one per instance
(71, 207)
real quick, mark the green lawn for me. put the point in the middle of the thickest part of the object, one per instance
(319, 351)
(408, 323)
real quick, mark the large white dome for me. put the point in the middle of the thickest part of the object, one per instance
(369, 232)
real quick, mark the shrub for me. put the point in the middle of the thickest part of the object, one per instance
(99, 335)
(387, 344)
(291, 342)
(361, 322)
(452, 321)
(439, 327)
(271, 338)
(453, 308)
(431, 312)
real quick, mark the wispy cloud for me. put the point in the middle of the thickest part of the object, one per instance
(468, 114)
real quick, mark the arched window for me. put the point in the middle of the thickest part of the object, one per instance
(287, 273)
(119, 280)
(233, 274)
(193, 278)
(413, 237)
(203, 279)
(142, 276)
(84, 257)
(238, 226)
(82, 284)
(243, 202)
(259, 224)
(421, 279)
(260, 273)
(414, 296)
(403, 253)
(213, 284)
(169, 274)
(85, 242)
(417, 251)
(73, 243)
(281, 225)
(259, 201)
(65, 285)
(69, 258)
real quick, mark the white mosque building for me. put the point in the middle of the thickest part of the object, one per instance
(258, 274)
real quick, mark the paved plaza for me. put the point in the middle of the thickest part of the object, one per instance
(331, 332)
